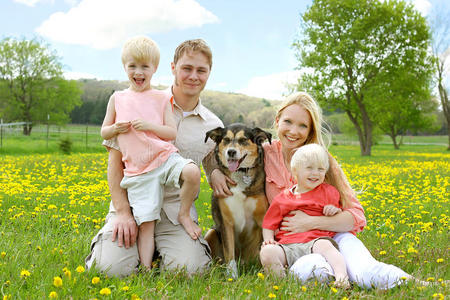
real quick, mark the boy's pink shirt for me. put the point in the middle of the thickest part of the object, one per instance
(278, 178)
(142, 151)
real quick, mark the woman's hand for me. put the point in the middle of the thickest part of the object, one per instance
(297, 221)
(219, 184)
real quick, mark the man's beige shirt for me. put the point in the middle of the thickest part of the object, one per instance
(191, 130)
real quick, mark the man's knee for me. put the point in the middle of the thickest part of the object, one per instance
(106, 256)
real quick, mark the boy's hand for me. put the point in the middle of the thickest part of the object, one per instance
(121, 127)
(331, 210)
(141, 125)
(269, 242)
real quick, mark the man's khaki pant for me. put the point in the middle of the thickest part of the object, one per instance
(175, 246)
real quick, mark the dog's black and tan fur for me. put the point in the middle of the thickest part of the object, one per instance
(239, 217)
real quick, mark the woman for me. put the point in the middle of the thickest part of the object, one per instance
(299, 122)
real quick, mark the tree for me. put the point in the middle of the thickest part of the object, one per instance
(33, 86)
(441, 52)
(357, 47)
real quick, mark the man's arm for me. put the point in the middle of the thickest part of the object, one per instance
(125, 228)
(302, 222)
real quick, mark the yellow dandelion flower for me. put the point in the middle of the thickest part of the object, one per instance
(230, 279)
(6, 297)
(95, 280)
(431, 279)
(260, 276)
(382, 252)
(271, 295)
(276, 288)
(57, 281)
(53, 295)
(105, 292)
(135, 297)
(25, 273)
(303, 288)
(80, 269)
(125, 288)
(334, 290)
(248, 291)
(439, 260)
(3, 254)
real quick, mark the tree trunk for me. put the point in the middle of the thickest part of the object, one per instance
(364, 136)
(445, 106)
(27, 129)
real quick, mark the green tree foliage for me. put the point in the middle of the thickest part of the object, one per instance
(32, 87)
(356, 50)
(441, 52)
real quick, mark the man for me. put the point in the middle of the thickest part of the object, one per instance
(114, 248)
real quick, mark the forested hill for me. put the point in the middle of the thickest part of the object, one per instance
(229, 107)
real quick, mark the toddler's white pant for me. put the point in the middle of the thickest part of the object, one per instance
(363, 269)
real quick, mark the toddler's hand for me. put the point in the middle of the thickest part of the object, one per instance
(140, 125)
(331, 210)
(121, 127)
(269, 242)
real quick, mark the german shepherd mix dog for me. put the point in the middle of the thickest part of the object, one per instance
(238, 218)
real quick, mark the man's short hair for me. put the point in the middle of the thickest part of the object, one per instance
(193, 46)
(142, 49)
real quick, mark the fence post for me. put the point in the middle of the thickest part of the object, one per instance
(1, 133)
(87, 125)
(48, 122)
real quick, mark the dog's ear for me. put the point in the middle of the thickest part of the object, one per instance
(260, 135)
(215, 134)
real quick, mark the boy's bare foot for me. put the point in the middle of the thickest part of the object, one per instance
(191, 228)
(342, 282)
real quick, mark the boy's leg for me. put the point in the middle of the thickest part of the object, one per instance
(190, 177)
(273, 259)
(146, 243)
(335, 258)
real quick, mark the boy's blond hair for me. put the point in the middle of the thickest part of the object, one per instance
(193, 46)
(309, 153)
(318, 133)
(141, 49)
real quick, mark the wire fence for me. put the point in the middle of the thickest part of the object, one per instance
(86, 135)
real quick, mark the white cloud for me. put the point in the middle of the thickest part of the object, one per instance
(105, 24)
(33, 2)
(273, 86)
(423, 6)
(79, 75)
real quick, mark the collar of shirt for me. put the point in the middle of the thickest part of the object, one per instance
(199, 110)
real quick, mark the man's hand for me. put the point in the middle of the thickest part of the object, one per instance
(219, 184)
(125, 229)
(331, 210)
(297, 221)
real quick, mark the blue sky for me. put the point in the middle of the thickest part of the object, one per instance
(251, 40)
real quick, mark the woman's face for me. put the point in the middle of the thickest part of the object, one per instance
(293, 126)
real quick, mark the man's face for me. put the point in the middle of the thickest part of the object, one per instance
(191, 73)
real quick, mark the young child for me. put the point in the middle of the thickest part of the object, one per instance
(142, 120)
(314, 197)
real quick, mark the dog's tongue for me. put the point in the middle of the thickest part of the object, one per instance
(233, 165)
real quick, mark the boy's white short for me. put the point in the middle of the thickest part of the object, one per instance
(146, 191)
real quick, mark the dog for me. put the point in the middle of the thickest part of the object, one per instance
(238, 218)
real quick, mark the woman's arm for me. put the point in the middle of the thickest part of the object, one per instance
(299, 221)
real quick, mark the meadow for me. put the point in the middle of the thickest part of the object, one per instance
(51, 205)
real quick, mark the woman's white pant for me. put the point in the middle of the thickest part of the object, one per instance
(362, 268)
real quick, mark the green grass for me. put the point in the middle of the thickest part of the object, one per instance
(51, 205)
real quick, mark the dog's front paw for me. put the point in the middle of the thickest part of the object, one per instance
(232, 270)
